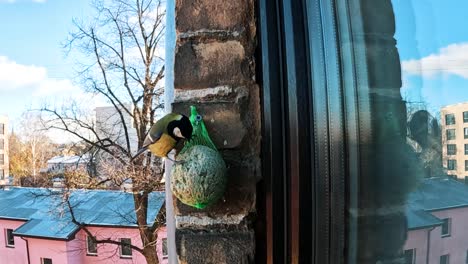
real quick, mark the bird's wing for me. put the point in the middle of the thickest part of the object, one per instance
(151, 138)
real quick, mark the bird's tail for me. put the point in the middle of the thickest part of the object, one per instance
(140, 151)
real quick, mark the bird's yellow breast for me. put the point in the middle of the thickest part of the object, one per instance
(162, 146)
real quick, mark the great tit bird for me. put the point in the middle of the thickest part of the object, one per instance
(165, 134)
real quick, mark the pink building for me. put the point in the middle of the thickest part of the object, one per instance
(37, 231)
(437, 216)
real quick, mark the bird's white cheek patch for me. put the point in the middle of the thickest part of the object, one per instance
(177, 133)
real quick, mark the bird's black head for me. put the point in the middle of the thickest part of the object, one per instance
(181, 128)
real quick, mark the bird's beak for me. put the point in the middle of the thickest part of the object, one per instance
(143, 149)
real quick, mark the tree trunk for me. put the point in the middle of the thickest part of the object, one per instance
(151, 255)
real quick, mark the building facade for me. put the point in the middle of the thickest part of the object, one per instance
(437, 226)
(4, 161)
(109, 124)
(35, 230)
(454, 119)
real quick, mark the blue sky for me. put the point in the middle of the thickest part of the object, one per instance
(432, 39)
(33, 65)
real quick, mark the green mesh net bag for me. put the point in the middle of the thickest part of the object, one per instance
(200, 180)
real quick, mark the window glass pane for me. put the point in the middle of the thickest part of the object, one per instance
(92, 247)
(450, 119)
(2, 161)
(164, 246)
(46, 261)
(415, 121)
(451, 149)
(2, 129)
(445, 227)
(2, 144)
(444, 259)
(450, 134)
(451, 164)
(410, 256)
(10, 240)
(125, 249)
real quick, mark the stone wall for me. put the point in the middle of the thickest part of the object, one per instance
(215, 71)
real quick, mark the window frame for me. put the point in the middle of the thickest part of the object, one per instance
(413, 252)
(449, 227)
(447, 119)
(88, 252)
(9, 232)
(121, 248)
(454, 134)
(44, 259)
(452, 151)
(453, 162)
(164, 246)
(447, 261)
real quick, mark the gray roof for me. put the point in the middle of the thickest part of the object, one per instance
(48, 217)
(434, 194)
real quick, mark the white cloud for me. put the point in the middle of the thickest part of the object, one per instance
(450, 60)
(15, 76)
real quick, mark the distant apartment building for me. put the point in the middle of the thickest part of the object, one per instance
(4, 161)
(454, 119)
(109, 125)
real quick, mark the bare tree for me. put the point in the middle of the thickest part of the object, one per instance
(122, 63)
(30, 149)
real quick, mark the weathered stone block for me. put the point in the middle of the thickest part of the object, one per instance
(235, 247)
(223, 121)
(202, 65)
(212, 15)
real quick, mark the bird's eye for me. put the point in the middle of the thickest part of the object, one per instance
(198, 118)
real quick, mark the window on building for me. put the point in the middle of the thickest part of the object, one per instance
(46, 261)
(2, 174)
(125, 249)
(465, 117)
(451, 149)
(450, 134)
(450, 119)
(410, 256)
(446, 226)
(465, 132)
(2, 129)
(466, 165)
(164, 248)
(9, 239)
(466, 149)
(91, 246)
(451, 164)
(2, 161)
(2, 143)
(444, 259)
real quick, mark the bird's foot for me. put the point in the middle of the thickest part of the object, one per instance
(178, 162)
